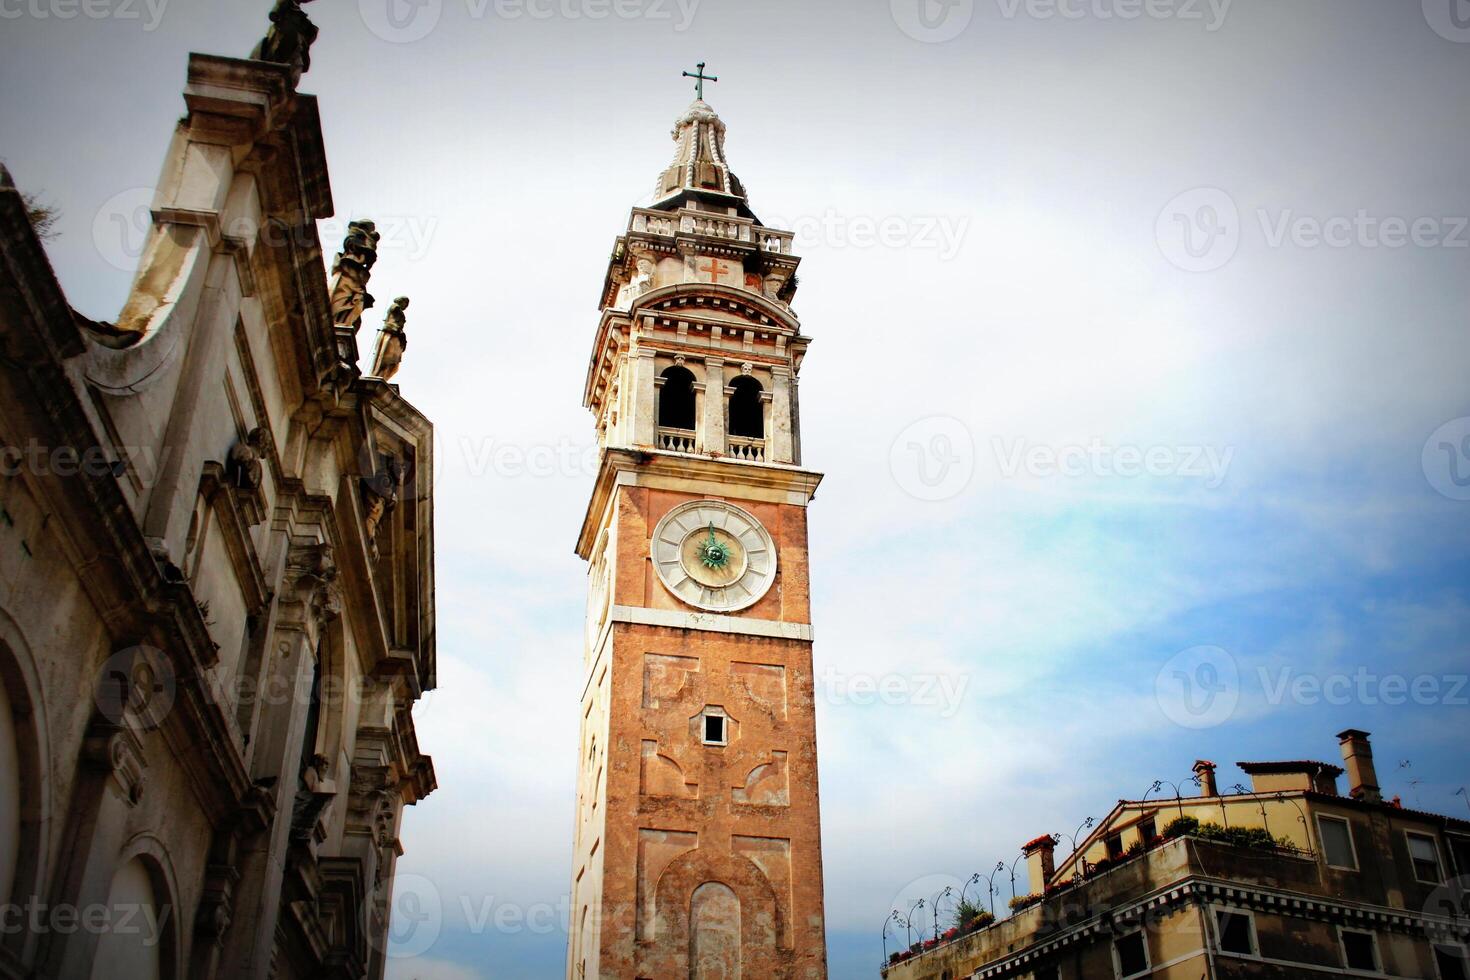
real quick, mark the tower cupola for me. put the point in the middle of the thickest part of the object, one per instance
(699, 166)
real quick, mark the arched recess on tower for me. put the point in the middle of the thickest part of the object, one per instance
(714, 933)
(697, 918)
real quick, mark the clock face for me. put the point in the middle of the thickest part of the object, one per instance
(713, 555)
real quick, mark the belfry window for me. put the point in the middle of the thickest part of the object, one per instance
(747, 418)
(676, 400)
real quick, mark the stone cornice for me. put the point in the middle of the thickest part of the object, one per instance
(29, 283)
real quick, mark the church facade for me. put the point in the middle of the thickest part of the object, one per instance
(698, 842)
(216, 572)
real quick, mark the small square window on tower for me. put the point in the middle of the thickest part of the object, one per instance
(716, 727)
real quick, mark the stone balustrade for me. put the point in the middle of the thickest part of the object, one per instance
(706, 225)
(751, 450)
(676, 440)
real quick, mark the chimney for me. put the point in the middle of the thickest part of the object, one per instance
(1040, 862)
(1205, 772)
(1357, 755)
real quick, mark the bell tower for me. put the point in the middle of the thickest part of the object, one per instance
(698, 843)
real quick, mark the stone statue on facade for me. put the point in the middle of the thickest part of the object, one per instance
(245, 468)
(379, 497)
(289, 40)
(392, 341)
(351, 271)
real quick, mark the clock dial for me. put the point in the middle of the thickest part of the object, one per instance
(714, 555)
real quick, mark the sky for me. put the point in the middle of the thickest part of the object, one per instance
(1138, 380)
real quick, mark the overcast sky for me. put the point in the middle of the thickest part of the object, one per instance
(1139, 380)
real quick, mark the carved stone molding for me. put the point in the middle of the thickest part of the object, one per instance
(312, 571)
(116, 751)
(216, 905)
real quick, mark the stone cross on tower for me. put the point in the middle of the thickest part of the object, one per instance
(699, 79)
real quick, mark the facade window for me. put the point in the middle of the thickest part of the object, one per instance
(1237, 932)
(1460, 851)
(716, 727)
(1047, 973)
(676, 400)
(1360, 950)
(1451, 962)
(1337, 842)
(1130, 955)
(747, 417)
(1425, 855)
(1115, 846)
(1147, 829)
